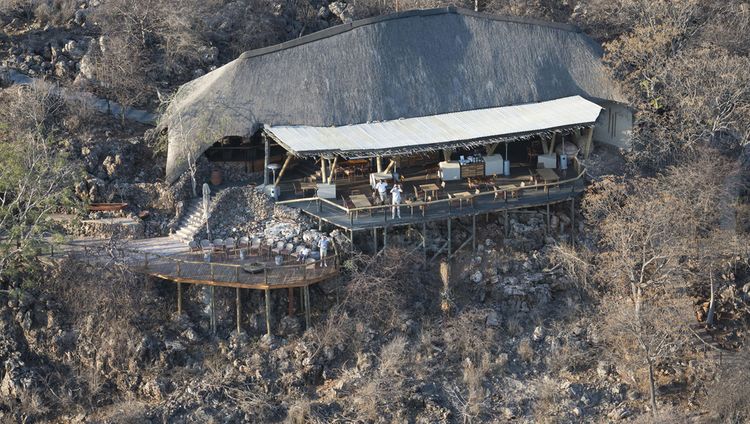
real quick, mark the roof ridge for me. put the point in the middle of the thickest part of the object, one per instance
(340, 29)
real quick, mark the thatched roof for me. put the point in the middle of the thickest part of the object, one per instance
(404, 65)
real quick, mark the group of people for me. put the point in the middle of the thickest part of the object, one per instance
(323, 245)
(396, 196)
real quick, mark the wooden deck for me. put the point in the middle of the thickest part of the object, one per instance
(356, 219)
(171, 260)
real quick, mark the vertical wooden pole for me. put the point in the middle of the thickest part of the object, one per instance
(290, 301)
(587, 140)
(307, 306)
(322, 170)
(507, 226)
(266, 159)
(385, 238)
(379, 163)
(351, 239)
(449, 238)
(549, 221)
(424, 242)
(283, 169)
(474, 232)
(573, 222)
(268, 312)
(374, 240)
(179, 298)
(213, 310)
(239, 310)
(333, 170)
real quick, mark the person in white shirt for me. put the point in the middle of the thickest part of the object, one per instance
(323, 245)
(396, 192)
(382, 188)
(304, 254)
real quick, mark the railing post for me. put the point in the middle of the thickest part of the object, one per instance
(237, 273)
(145, 256)
(265, 275)
(211, 265)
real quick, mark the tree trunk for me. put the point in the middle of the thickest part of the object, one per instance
(652, 386)
(712, 302)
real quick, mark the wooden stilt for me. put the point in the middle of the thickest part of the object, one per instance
(379, 163)
(587, 140)
(424, 241)
(507, 226)
(320, 224)
(239, 310)
(213, 310)
(351, 239)
(266, 158)
(290, 309)
(283, 169)
(307, 306)
(474, 232)
(179, 298)
(549, 221)
(449, 237)
(322, 170)
(333, 170)
(374, 240)
(268, 312)
(573, 222)
(385, 238)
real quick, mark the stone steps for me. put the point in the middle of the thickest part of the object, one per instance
(191, 221)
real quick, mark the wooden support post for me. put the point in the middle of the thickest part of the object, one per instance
(333, 170)
(351, 241)
(307, 306)
(491, 149)
(390, 165)
(573, 222)
(587, 142)
(552, 143)
(179, 298)
(239, 310)
(322, 169)
(379, 163)
(474, 233)
(213, 310)
(447, 154)
(266, 158)
(449, 237)
(549, 221)
(320, 224)
(290, 308)
(374, 240)
(424, 241)
(385, 238)
(507, 225)
(268, 312)
(283, 169)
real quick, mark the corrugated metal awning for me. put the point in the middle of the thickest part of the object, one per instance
(436, 132)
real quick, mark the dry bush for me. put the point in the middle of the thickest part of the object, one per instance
(728, 397)
(548, 401)
(467, 336)
(513, 326)
(386, 385)
(525, 350)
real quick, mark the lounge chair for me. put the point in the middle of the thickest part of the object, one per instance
(255, 246)
(230, 245)
(279, 247)
(243, 242)
(194, 246)
(206, 245)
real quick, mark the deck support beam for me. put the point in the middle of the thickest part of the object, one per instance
(474, 232)
(333, 170)
(179, 298)
(573, 222)
(322, 169)
(267, 158)
(268, 312)
(491, 149)
(390, 165)
(424, 242)
(385, 238)
(290, 308)
(239, 310)
(306, 300)
(283, 169)
(507, 225)
(552, 143)
(379, 163)
(213, 309)
(587, 142)
(549, 221)
(449, 237)
(374, 240)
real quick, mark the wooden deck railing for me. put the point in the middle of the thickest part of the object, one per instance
(202, 272)
(424, 205)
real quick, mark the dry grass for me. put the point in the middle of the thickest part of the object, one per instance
(525, 350)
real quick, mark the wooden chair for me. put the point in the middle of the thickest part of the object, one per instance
(230, 245)
(206, 245)
(243, 242)
(255, 246)
(288, 249)
(279, 247)
(194, 246)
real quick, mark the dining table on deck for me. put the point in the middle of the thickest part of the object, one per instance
(429, 190)
(360, 201)
(547, 175)
(461, 196)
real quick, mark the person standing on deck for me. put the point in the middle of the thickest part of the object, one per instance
(396, 200)
(382, 188)
(323, 245)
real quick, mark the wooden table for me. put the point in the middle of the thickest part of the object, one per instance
(505, 189)
(307, 185)
(360, 201)
(547, 175)
(461, 196)
(429, 189)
